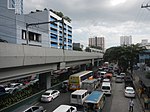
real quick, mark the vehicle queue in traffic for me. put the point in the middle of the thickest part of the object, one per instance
(83, 86)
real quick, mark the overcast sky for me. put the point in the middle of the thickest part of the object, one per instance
(108, 18)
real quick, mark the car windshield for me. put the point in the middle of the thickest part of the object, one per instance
(130, 90)
(46, 94)
(106, 87)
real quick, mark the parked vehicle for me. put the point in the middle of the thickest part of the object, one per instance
(129, 92)
(78, 97)
(94, 102)
(65, 108)
(106, 88)
(49, 95)
(13, 87)
(34, 109)
(32, 82)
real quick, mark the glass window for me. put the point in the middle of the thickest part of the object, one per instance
(74, 96)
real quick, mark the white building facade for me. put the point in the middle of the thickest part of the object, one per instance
(53, 30)
(13, 26)
(125, 40)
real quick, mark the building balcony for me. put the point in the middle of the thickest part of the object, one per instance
(53, 26)
(54, 40)
(53, 31)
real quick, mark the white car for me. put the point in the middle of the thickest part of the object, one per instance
(34, 109)
(49, 95)
(122, 75)
(65, 108)
(13, 87)
(129, 92)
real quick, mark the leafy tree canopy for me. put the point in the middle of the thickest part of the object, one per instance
(125, 56)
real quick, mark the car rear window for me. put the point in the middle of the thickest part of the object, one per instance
(106, 87)
(46, 94)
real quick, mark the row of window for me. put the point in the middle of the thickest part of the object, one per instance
(32, 36)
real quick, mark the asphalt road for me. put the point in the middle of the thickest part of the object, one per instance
(117, 102)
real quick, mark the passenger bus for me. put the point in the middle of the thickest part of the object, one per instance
(94, 102)
(75, 80)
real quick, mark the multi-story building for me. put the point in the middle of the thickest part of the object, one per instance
(14, 26)
(125, 40)
(54, 30)
(145, 43)
(97, 42)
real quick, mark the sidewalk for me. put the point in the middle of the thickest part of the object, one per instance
(137, 86)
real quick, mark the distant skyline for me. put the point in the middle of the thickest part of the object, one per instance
(103, 18)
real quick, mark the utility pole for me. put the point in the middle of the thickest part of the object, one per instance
(33, 24)
(145, 6)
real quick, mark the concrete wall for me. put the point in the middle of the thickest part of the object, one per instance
(12, 55)
(7, 23)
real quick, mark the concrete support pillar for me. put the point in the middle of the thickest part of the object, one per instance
(97, 63)
(48, 80)
(92, 62)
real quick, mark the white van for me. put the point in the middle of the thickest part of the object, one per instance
(106, 88)
(78, 97)
(65, 108)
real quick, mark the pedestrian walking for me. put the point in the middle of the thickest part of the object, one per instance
(140, 92)
(131, 105)
(146, 102)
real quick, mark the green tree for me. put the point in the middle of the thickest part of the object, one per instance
(125, 56)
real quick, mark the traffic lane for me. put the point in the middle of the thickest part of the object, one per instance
(108, 101)
(64, 98)
(119, 102)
